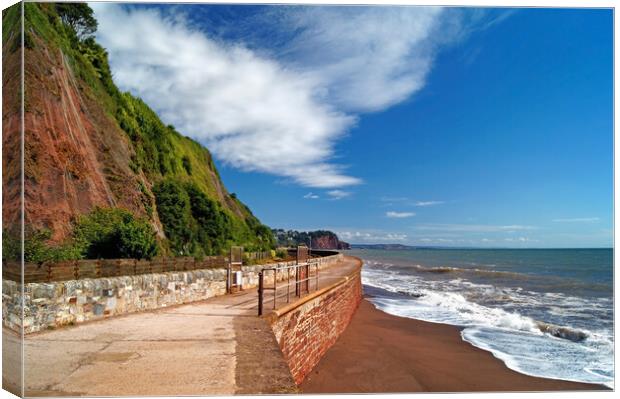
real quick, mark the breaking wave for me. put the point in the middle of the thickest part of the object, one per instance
(530, 331)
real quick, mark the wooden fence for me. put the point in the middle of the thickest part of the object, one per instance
(79, 269)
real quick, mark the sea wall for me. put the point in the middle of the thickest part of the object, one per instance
(54, 304)
(306, 329)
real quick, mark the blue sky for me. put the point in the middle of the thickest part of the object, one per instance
(423, 126)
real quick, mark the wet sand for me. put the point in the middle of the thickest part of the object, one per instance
(383, 353)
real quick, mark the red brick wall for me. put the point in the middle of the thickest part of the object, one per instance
(306, 332)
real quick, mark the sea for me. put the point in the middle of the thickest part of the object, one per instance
(543, 312)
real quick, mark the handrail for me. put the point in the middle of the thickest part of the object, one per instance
(302, 275)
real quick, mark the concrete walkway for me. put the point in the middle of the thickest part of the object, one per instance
(214, 347)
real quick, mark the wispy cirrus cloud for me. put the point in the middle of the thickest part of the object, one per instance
(311, 196)
(428, 203)
(473, 228)
(520, 239)
(406, 201)
(278, 109)
(576, 220)
(370, 236)
(399, 215)
(338, 194)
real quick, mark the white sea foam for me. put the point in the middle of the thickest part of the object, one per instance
(502, 328)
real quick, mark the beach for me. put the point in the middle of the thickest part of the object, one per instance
(380, 353)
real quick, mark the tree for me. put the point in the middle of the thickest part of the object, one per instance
(78, 16)
(173, 208)
(213, 227)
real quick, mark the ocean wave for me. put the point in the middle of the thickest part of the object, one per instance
(545, 284)
(538, 325)
(467, 312)
(541, 357)
(464, 270)
(524, 344)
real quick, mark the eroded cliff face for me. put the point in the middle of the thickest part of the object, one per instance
(11, 144)
(328, 242)
(75, 156)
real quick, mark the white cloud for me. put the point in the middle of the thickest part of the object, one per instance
(369, 237)
(368, 58)
(394, 199)
(520, 240)
(428, 203)
(399, 215)
(576, 220)
(338, 194)
(277, 112)
(251, 111)
(405, 201)
(473, 228)
(311, 196)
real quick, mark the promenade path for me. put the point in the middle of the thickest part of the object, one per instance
(213, 347)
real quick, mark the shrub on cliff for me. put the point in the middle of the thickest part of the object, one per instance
(194, 224)
(114, 233)
(36, 247)
(174, 211)
(213, 225)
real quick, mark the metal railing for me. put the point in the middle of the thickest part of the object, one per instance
(296, 282)
(299, 274)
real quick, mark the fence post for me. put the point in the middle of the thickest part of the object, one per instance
(228, 280)
(275, 287)
(260, 293)
(288, 285)
(317, 276)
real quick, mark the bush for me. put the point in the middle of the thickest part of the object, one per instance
(137, 240)
(281, 253)
(114, 233)
(36, 247)
(187, 164)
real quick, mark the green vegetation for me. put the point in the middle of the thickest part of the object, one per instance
(197, 225)
(179, 184)
(79, 17)
(112, 233)
(104, 233)
(281, 253)
(36, 248)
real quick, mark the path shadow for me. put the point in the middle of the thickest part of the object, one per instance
(260, 367)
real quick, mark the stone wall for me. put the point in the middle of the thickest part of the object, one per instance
(306, 329)
(54, 304)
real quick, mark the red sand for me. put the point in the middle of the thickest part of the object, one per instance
(383, 353)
